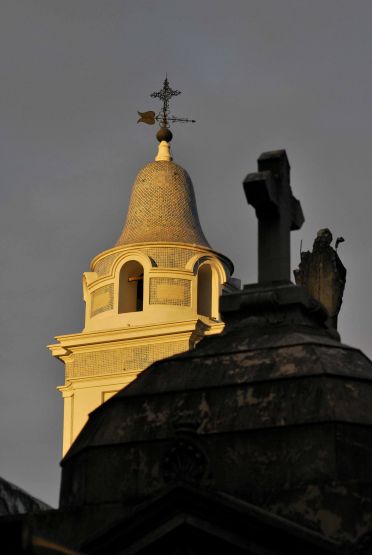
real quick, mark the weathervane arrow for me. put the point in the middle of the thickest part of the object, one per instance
(146, 117)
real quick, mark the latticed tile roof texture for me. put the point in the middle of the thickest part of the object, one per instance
(162, 207)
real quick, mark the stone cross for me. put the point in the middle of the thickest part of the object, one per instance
(278, 213)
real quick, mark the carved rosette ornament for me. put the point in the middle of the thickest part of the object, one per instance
(184, 462)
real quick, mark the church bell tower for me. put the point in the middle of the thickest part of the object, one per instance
(154, 294)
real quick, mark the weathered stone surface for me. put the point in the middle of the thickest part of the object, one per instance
(278, 212)
(197, 521)
(323, 275)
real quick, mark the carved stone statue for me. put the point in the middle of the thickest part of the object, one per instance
(322, 273)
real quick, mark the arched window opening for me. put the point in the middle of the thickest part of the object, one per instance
(131, 287)
(205, 290)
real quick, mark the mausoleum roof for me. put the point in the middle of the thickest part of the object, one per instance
(273, 412)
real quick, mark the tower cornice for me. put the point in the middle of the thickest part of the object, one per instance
(161, 244)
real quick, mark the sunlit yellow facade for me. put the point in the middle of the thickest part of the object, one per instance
(145, 299)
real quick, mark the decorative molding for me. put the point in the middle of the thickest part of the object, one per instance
(184, 461)
(170, 291)
(102, 299)
(121, 360)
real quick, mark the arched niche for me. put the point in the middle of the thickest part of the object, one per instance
(131, 287)
(205, 291)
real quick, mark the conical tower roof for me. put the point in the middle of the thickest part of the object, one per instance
(162, 206)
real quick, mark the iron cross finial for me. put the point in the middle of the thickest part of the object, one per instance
(163, 117)
(165, 94)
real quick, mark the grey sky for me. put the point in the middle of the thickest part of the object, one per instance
(255, 74)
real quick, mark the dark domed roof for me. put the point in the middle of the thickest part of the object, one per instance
(272, 409)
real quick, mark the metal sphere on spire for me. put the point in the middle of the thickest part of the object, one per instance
(164, 134)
